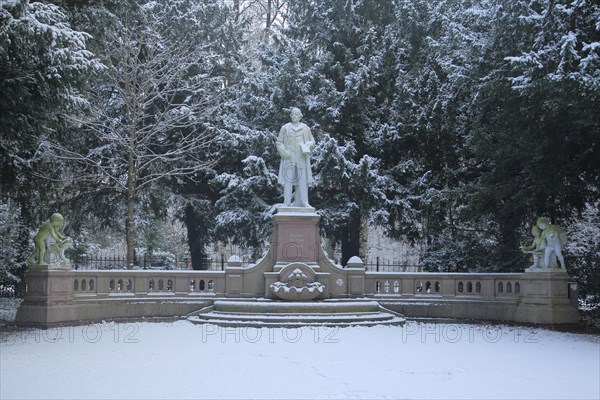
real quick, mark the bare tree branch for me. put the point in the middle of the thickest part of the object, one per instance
(148, 124)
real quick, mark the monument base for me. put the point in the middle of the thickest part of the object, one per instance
(48, 298)
(295, 245)
(546, 298)
(296, 236)
(60, 266)
(543, 269)
(295, 210)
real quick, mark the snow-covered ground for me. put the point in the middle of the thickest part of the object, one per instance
(182, 360)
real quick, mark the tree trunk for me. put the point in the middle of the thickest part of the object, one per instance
(351, 239)
(28, 220)
(364, 237)
(236, 8)
(508, 252)
(196, 239)
(129, 227)
(129, 221)
(269, 7)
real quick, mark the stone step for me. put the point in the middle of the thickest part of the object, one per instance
(302, 317)
(293, 314)
(286, 307)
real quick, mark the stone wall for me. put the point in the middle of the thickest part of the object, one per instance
(58, 295)
(67, 297)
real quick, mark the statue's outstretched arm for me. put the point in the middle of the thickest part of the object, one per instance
(55, 234)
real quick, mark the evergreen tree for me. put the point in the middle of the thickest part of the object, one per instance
(220, 29)
(348, 190)
(536, 130)
(44, 64)
(327, 63)
(430, 55)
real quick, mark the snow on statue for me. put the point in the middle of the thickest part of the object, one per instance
(294, 144)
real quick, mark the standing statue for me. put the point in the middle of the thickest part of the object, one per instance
(50, 242)
(555, 238)
(294, 144)
(547, 245)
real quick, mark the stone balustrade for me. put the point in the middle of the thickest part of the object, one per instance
(115, 283)
(70, 296)
(443, 285)
(56, 297)
(532, 297)
(57, 294)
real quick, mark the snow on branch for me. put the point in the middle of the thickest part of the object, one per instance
(149, 122)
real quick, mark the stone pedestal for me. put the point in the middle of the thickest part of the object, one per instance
(546, 298)
(296, 241)
(57, 266)
(295, 237)
(49, 296)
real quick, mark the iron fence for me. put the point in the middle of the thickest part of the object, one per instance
(383, 265)
(108, 262)
(218, 263)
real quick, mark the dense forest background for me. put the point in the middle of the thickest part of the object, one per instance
(451, 124)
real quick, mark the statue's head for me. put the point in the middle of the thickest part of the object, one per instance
(535, 231)
(57, 219)
(542, 222)
(295, 114)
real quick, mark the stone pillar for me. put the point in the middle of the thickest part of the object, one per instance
(546, 298)
(356, 276)
(234, 281)
(48, 299)
(234, 276)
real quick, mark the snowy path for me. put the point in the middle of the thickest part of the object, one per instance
(182, 360)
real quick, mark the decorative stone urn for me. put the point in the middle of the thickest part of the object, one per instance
(298, 283)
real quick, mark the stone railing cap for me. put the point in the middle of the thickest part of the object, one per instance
(355, 262)
(234, 259)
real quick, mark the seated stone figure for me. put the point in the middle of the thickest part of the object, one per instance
(50, 242)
